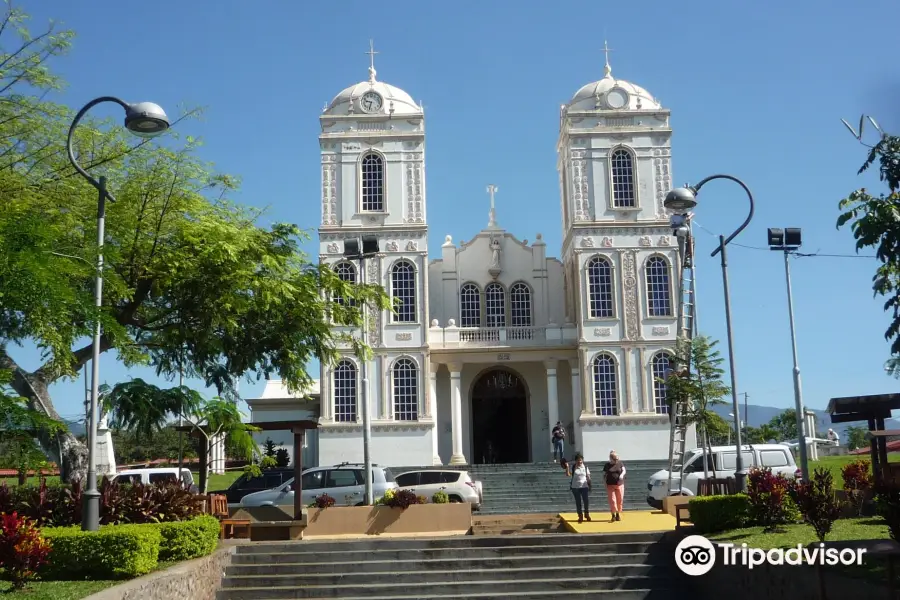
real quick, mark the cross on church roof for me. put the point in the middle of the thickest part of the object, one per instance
(492, 189)
(606, 50)
(372, 52)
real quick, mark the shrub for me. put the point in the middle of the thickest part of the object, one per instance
(817, 502)
(22, 549)
(857, 482)
(388, 497)
(887, 501)
(114, 552)
(440, 497)
(282, 458)
(403, 499)
(718, 513)
(771, 499)
(188, 539)
(322, 501)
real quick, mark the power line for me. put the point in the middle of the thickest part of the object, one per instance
(799, 254)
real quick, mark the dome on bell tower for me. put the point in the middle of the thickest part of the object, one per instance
(610, 93)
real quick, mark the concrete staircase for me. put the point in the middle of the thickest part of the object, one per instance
(613, 567)
(544, 488)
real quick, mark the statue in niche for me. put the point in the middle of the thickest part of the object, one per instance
(494, 269)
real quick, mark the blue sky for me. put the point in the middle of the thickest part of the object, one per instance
(756, 90)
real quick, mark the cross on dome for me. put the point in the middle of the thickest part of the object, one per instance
(607, 71)
(372, 52)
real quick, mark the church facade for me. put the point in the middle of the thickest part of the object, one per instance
(495, 341)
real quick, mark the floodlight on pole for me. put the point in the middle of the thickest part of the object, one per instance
(684, 200)
(788, 240)
(361, 249)
(144, 119)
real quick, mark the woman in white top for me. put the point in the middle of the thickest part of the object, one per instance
(581, 487)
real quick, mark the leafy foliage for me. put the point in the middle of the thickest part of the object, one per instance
(115, 552)
(60, 505)
(402, 499)
(771, 499)
(440, 497)
(718, 513)
(760, 435)
(875, 223)
(23, 550)
(184, 540)
(818, 503)
(322, 501)
(785, 424)
(856, 437)
(858, 482)
(192, 282)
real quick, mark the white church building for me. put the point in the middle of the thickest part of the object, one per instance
(495, 341)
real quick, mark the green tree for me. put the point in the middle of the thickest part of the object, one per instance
(696, 380)
(218, 417)
(874, 220)
(718, 430)
(761, 435)
(856, 437)
(785, 424)
(19, 425)
(190, 281)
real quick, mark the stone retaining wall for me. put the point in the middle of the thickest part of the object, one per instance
(196, 579)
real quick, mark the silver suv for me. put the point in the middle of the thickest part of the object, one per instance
(344, 482)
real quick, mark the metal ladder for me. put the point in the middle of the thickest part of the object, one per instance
(687, 328)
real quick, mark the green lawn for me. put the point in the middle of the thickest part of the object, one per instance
(836, 463)
(216, 482)
(866, 528)
(55, 590)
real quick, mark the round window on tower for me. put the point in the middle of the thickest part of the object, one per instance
(617, 98)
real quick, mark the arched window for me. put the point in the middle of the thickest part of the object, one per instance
(622, 167)
(494, 305)
(406, 390)
(600, 288)
(372, 182)
(606, 397)
(469, 306)
(345, 392)
(403, 288)
(661, 366)
(519, 305)
(345, 272)
(659, 296)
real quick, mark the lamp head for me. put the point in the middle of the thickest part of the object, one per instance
(146, 119)
(681, 199)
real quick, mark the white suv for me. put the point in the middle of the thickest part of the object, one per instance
(777, 457)
(458, 485)
(344, 482)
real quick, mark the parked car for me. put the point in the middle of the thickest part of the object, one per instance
(720, 465)
(159, 475)
(458, 485)
(247, 484)
(344, 482)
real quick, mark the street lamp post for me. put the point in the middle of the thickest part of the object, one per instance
(353, 249)
(788, 241)
(143, 119)
(684, 199)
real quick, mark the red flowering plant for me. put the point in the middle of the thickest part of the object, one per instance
(322, 501)
(817, 502)
(857, 482)
(403, 499)
(771, 499)
(22, 549)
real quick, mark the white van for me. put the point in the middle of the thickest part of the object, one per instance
(777, 457)
(151, 476)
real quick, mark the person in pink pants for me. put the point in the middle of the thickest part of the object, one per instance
(614, 472)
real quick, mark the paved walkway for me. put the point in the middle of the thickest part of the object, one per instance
(633, 521)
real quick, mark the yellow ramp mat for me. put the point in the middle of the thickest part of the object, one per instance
(633, 521)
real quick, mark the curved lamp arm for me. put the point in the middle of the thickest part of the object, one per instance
(72, 127)
(746, 222)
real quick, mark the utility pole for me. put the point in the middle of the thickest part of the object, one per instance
(746, 417)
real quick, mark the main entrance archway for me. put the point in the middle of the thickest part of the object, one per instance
(499, 418)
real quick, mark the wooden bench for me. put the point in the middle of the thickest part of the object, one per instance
(229, 528)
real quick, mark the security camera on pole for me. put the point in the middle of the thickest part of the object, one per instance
(353, 249)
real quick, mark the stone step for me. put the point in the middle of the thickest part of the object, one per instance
(396, 589)
(631, 594)
(532, 545)
(440, 564)
(286, 577)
